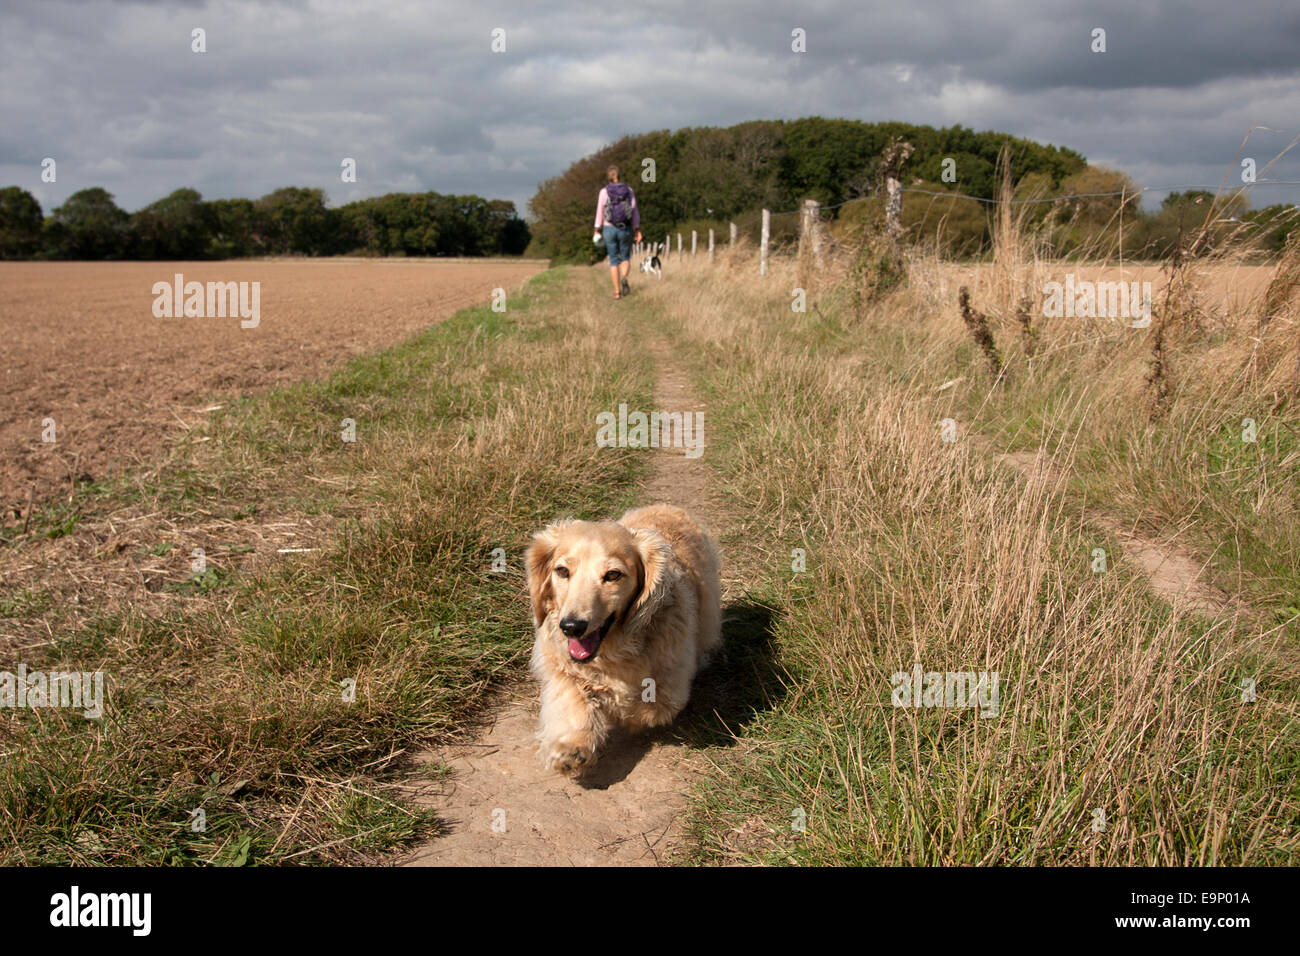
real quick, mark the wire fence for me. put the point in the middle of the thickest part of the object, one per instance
(820, 209)
(1118, 192)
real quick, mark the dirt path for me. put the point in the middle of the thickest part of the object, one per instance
(505, 810)
(1172, 572)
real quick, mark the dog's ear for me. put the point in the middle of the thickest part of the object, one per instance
(537, 563)
(656, 556)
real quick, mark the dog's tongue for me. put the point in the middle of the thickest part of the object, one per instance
(581, 648)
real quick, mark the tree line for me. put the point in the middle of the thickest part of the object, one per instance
(703, 177)
(289, 221)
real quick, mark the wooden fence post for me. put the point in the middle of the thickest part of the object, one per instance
(679, 247)
(710, 245)
(732, 243)
(810, 233)
(891, 163)
(893, 209)
(762, 247)
(693, 238)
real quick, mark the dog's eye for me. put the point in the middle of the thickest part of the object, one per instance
(562, 572)
(613, 575)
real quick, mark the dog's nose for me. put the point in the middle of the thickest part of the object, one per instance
(573, 627)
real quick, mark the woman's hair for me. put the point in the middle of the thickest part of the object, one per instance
(612, 174)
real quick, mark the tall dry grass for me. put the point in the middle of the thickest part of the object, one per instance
(826, 435)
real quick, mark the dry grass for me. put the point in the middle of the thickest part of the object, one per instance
(826, 435)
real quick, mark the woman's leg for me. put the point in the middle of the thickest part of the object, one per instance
(625, 253)
(610, 236)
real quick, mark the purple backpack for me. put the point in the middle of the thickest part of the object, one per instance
(618, 204)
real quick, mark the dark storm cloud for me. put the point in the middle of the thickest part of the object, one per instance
(1041, 45)
(413, 93)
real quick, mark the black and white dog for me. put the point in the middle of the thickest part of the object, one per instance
(651, 264)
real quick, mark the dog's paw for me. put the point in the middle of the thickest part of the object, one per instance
(659, 714)
(569, 756)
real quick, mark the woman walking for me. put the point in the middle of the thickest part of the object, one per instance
(617, 218)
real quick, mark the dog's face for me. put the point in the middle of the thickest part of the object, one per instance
(597, 583)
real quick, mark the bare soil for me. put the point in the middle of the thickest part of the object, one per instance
(79, 343)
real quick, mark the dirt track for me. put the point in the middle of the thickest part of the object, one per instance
(79, 343)
(504, 809)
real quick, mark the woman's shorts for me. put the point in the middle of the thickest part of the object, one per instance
(618, 243)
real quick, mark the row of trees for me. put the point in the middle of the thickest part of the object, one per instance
(90, 225)
(705, 177)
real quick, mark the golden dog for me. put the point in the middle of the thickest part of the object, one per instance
(626, 613)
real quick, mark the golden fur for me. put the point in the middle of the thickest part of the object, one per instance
(651, 578)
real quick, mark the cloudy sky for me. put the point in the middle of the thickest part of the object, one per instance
(414, 92)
